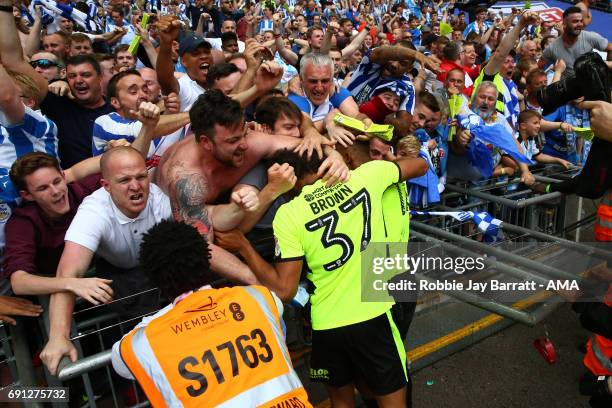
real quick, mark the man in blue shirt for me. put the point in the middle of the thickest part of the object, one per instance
(320, 103)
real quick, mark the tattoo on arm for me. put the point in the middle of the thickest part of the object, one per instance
(188, 199)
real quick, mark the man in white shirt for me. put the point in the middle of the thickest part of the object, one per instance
(110, 223)
(197, 57)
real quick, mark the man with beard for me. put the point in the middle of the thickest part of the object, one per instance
(75, 117)
(574, 42)
(389, 62)
(483, 104)
(198, 170)
(127, 90)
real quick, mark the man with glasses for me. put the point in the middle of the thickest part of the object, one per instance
(48, 65)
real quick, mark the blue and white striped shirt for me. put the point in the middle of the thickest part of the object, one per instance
(473, 27)
(113, 126)
(368, 76)
(35, 133)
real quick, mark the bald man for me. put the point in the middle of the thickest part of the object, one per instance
(109, 223)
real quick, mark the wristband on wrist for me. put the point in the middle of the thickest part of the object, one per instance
(547, 189)
(7, 9)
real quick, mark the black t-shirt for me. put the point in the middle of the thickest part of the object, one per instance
(74, 126)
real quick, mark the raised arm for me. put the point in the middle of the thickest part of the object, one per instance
(11, 52)
(10, 102)
(33, 42)
(285, 53)
(507, 43)
(145, 42)
(355, 43)
(169, 28)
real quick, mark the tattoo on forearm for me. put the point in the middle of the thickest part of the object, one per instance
(188, 199)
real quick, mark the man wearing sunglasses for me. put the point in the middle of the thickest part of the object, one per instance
(48, 65)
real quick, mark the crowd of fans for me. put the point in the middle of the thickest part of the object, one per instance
(116, 115)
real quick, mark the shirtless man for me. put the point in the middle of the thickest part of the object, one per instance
(197, 171)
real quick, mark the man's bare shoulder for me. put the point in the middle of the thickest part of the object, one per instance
(181, 159)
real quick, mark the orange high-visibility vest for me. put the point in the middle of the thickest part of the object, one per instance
(598, 358)
(217, 347)
(603, 219)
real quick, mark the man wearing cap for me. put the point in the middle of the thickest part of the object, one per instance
(197, 56)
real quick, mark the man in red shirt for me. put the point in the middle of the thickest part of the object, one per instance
(35, 232)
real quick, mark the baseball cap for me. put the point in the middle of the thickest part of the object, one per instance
(431, 38)
(191, 42)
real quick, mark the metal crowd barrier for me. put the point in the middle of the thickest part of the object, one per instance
(526, 217)
(531, 223)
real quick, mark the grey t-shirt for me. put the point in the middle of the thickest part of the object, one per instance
(586, 42)
(258, 178)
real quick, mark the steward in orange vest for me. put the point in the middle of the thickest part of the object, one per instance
(603, 219)
(211, 347)
(597, 317)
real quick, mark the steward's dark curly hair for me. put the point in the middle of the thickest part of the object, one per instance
(302, 165)
(175, 257)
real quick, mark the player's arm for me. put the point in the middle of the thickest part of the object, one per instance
(281, 178)
(282, 278)
(411, 168)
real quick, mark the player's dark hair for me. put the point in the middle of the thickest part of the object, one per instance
(302, 165)
(214, 108)
(175, 257)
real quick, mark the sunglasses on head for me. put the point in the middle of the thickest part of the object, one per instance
(43, 63)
